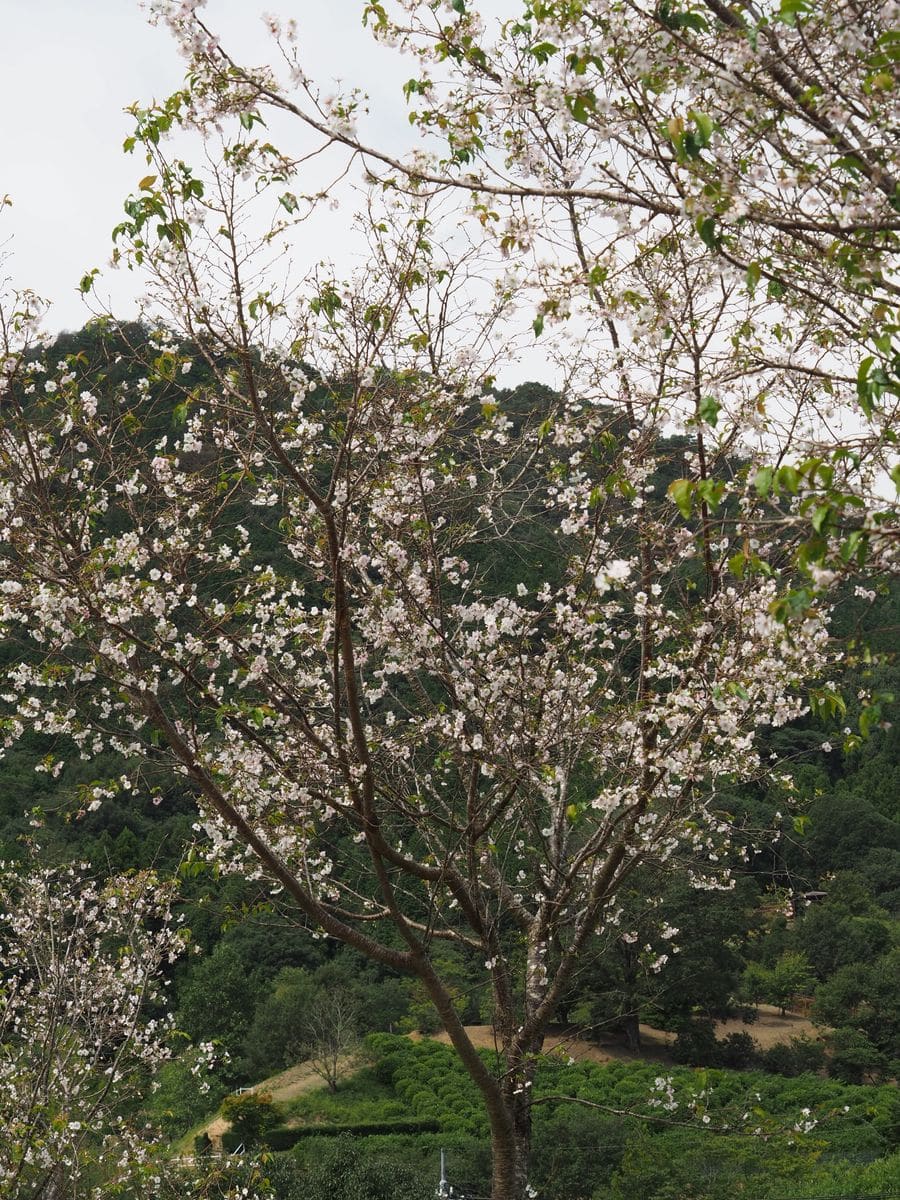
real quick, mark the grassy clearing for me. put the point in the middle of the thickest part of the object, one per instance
(360, 1098)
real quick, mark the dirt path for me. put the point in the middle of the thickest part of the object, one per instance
(569, 1045)
(282, 1087)
(769, 1028)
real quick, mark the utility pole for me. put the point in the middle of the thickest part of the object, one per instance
(444, 1188)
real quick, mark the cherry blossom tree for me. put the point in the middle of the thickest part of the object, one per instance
(83, 1031)
(81, 963)
(440, 668)
(447, 663)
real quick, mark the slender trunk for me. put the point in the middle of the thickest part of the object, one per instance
(632, 1030)
(520, 1033)
(630, 977)
(52, 1188)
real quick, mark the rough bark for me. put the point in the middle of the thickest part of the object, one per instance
(511, 1150)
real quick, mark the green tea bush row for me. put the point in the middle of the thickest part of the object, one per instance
(286, 1137)
(427, 1077)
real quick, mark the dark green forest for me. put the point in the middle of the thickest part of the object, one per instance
(811, 926)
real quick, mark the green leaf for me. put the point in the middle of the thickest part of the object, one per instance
(788, 478)
(791, 9)
(827, 703)
(737, 564)
(581, 106)
(864, 388)
(711, 492)
(821, 518)
(881, 81)
(249, 119)
(706, 227)
(538, 325)
(704, 126)
(754, 273)
(775, 290)
(681, 492)
(327, 302)
(542, 51)
(693, 21)
(709, 410)
(674, 19)
(856, 546)
(762, 481)
(849, 163)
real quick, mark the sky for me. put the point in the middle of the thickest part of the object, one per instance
(69, 69)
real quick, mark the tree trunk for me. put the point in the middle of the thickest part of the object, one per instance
(630, 1018)
(511, 1150)
(53, 1186)
(632, 1028)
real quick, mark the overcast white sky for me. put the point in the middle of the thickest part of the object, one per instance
(68, 69)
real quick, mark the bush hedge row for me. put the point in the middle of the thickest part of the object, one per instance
(284, 1137)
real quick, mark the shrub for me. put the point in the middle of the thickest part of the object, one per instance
(186, 1093)
(202, 1144)
(386, 1067)
(800, 1056)
(853, 1057)
(344, 1170)
(738, 1051)
(696, 1045)
(676, 1164)
(576, 1150)
(251, 1115)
